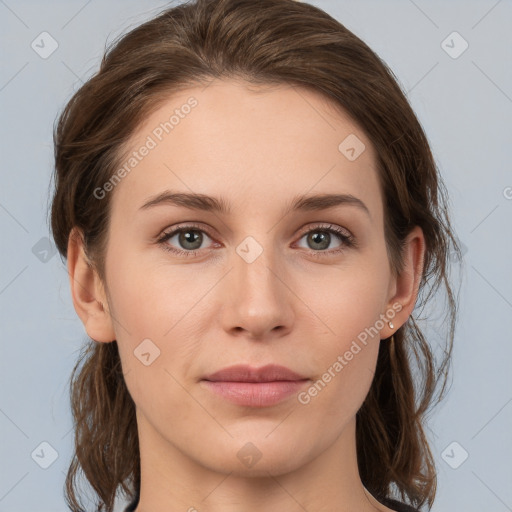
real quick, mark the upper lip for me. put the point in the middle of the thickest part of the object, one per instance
(245, 373)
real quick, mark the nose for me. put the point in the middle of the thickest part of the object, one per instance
(258, 300)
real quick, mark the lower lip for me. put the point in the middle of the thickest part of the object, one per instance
(256, 394)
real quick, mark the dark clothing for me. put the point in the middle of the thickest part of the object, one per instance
(133, 504)
(398, 506)
(393, 504)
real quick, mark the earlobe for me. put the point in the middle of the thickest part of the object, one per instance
(407, 283)
(87, 291)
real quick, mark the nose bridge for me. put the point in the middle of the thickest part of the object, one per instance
(258, 298)
(255, 262)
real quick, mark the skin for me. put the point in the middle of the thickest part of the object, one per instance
(257, 148)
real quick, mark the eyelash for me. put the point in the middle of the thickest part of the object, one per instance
(348, 241)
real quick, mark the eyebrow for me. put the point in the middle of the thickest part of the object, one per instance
(302, 202)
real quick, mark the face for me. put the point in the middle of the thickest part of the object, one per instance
(256, 282)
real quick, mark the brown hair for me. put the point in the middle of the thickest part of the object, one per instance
(265, 42)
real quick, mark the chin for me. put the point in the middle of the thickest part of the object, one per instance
(258, 457)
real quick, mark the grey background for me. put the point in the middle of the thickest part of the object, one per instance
(465, 106)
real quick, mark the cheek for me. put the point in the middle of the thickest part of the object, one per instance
(345, 360)
(157, 341)
(150, 299)
(349, 300)
(156, 312)
(350, 306)
(346, 379)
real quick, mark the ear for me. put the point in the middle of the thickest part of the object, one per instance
(87, 291)
(404, 287)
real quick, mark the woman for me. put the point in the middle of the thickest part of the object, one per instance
(250, 210)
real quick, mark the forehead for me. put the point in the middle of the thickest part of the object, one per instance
(249, 144)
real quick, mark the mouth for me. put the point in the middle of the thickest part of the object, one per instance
(255, 387)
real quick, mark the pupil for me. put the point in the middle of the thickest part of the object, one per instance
(319, 237)
(187, 235)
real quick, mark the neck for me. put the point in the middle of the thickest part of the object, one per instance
(173, 481)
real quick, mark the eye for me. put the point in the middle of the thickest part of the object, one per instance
(320, 238)
(190, 237)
